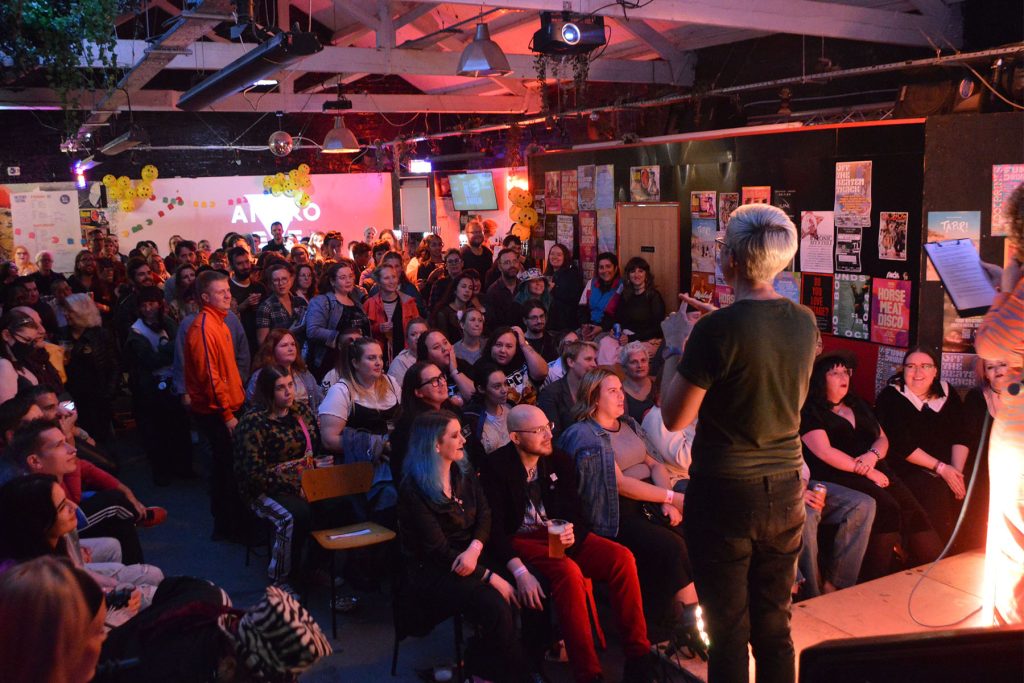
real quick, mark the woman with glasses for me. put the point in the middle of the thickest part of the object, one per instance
(433, 347)
(628, 498)
(845, 447)
(925, 420)
(424, 388)
(281, 309)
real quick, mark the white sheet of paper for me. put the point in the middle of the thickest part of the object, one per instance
(959, 266)
(361, 532)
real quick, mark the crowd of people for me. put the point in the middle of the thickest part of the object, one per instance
(506, 406)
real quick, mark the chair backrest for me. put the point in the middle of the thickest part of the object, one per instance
(336, 481)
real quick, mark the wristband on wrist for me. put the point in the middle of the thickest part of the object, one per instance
(669, 496)
(520, 571)
(671, 351)
(875, 451)
(938, 467)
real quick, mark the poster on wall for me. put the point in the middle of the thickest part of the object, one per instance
(757, 194)
(702, 244)
(817, 234)
(1005, 179)
(958, 370)
(785, 200)
(851, 306)
(890, 360)
(951, 225)
(588, 243)
(853, 194)
(848, 244)
(92, 219)
(724, 296)
(702, 287)
(645, 183)
(587, 189)
(553, 192)
(892, 235)
(816, 294)
(890, 312)
(48, 220)
(570, 192)
(606, 230)
(551, 227)
(604, 184)
(787, 284)
(703, 205)
(727, 203)
(958, 333)
(564, 231)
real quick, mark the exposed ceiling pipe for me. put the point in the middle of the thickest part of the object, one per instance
(948, 60)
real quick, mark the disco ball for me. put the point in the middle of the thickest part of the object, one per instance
(280, 143)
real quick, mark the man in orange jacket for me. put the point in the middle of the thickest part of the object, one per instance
(214, 386)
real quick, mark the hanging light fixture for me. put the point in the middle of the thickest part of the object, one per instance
(340, 140)
(483, 57)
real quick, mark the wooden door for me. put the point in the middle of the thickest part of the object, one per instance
(651, 230)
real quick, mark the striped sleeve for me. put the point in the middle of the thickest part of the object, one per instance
(1001, 336)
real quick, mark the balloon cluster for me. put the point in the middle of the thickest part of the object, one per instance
(521, 211)
(295, 184)
(124, 191)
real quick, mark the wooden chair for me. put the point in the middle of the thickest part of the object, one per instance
(323, 483)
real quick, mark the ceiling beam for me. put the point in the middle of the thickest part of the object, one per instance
(807, 17)
(214, 56)
(683, 63)
(164, 100)
(357, 13)
(412, 15)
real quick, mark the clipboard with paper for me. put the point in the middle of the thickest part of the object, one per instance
(959, 267)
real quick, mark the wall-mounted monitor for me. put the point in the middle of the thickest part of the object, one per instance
(473, 191)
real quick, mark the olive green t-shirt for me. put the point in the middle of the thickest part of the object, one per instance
(754, 358)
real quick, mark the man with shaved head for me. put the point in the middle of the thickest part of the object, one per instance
(528, 484)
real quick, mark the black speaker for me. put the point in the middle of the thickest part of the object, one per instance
(961, 656)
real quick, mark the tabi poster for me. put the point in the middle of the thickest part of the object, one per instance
(606, 236)
(817, 235)
(564, 227)
(958, 333)
(702, 204)
(851, 307)
(757, 194)
(787, 284)
(702, 244)
(604, 186)
(848, 245)
(785, 200)
(569, 192)
(816, 294)
(958, 370)
(727, 203)
(587, 189)
(588, 243)
(892, 235)
(1005, 179)
(702, 287)
(645, 183)
(853, 194)
(553, 192)
(890, 360)
(951, 225)
(890, 312)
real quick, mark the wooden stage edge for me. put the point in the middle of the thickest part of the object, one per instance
(950, 592)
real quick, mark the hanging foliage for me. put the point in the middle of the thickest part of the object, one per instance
(513, 139)
(540, 64)
(580, 73)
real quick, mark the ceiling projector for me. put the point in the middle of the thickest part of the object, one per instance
(568, 34)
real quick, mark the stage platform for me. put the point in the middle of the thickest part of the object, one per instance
(951, 591)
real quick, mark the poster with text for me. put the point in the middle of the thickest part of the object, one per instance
(958, 334)
(604, 184)
(816, 294)
(785, 200)
(951, 225)
(724, 296)
(890, 312)
(606, 238)
(703, 205)
(851, 306)
(48, 220)
(702, 244)
(892, 235)
(645, 183)
(853, 194)
(890, 360)
(553, 192)
(570, 192)
(848, 244)
(757, 194)
(817, 241)
(719, 277)
(958, 370)
(587, 189)
(564, 229)
(727, 203)
(588, 243)
(787, 284)
(702, 287)
(1005, 179)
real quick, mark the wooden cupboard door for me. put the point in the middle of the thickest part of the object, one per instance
(651, 230)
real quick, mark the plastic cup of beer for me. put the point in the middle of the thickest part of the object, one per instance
(556, 527)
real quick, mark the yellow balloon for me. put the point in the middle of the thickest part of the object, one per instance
(304, 169)
(144, 191)
(149, 173)
(276, 189)
(302, 200)
(127, 205)
(109, 180)
(293, 175)
(280, 177)
(521, 230)
(513, 213)
(268, 181)
(527, 217)
(124, 181)
(306, 182)
(288, 186)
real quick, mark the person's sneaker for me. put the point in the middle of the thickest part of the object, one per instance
(155, 516)
(643, 669)
(688, 636)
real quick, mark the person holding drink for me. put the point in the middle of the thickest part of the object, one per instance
(539, 532)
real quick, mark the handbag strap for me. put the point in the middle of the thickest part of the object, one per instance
(305, 433)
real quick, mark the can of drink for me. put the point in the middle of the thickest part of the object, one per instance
(617, 330)
(820, 488)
